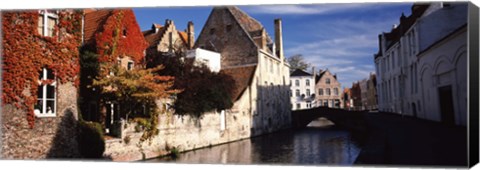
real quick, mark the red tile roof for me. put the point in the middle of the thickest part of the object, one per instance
(94, 21)
(243, 77)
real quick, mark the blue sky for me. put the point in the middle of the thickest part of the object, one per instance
(340, 37)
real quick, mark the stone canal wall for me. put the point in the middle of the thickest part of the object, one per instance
(181, 132)
(188, 133)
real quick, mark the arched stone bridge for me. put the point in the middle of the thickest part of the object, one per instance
(350, 120)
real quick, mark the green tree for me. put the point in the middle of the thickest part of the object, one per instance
(298, 62)
(202, 90)
(135, 90)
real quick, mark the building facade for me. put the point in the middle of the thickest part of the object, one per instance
(302, 86)
(257, 64)
(421, 64)
(328, 90)
(347, 99)
(39, 93)
(372, 102)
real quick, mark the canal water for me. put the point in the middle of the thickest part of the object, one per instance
(314, 145)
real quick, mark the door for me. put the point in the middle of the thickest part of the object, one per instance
(446, 105)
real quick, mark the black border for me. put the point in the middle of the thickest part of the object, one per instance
(473, 50)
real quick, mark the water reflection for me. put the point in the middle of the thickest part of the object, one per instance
(312, 145)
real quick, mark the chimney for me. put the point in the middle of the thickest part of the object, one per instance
(278, 39)
(313, 71)
(190, 34)
(168, 22)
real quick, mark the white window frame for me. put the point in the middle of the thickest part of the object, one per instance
(45, 15)
(43, 112)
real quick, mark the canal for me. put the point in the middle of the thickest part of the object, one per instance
(314, 145)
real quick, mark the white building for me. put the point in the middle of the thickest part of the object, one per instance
(208, 58)
(421, 65)
(302, 86)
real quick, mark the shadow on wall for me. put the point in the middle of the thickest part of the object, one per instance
(273, 109)
(64, 144)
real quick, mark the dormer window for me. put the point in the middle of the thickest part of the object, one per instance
(46, 22)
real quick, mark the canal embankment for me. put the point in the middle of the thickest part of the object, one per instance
(403, 140)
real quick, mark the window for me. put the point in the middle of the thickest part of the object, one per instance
(328, 91)
(291, 94)
(124, 32)
(212, 31)
(229, 27)
(335, 91)
(298, 105)
(46, 22)
(320, 102)
(320, 92)
(297, 93)
(46, 95)
(393, 59)
(327, 81)
(297, 82)
(308, 92)
(130, 65)
(307, 82)
(271, 66)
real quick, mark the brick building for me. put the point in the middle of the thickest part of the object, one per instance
(257, 64)
(328, 90)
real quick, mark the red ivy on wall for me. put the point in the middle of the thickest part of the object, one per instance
(26, 52)
(121, 36)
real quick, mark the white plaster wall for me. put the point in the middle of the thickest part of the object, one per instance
(446, 64)
(202, 55)
(303, 90)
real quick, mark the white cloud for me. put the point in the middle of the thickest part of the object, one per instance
(345, 47)
(308, 9)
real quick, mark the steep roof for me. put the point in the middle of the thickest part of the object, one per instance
(243, 77)
(319, 76)
(299, 72)
(94, 21)
(405, 24)
(252, 27)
